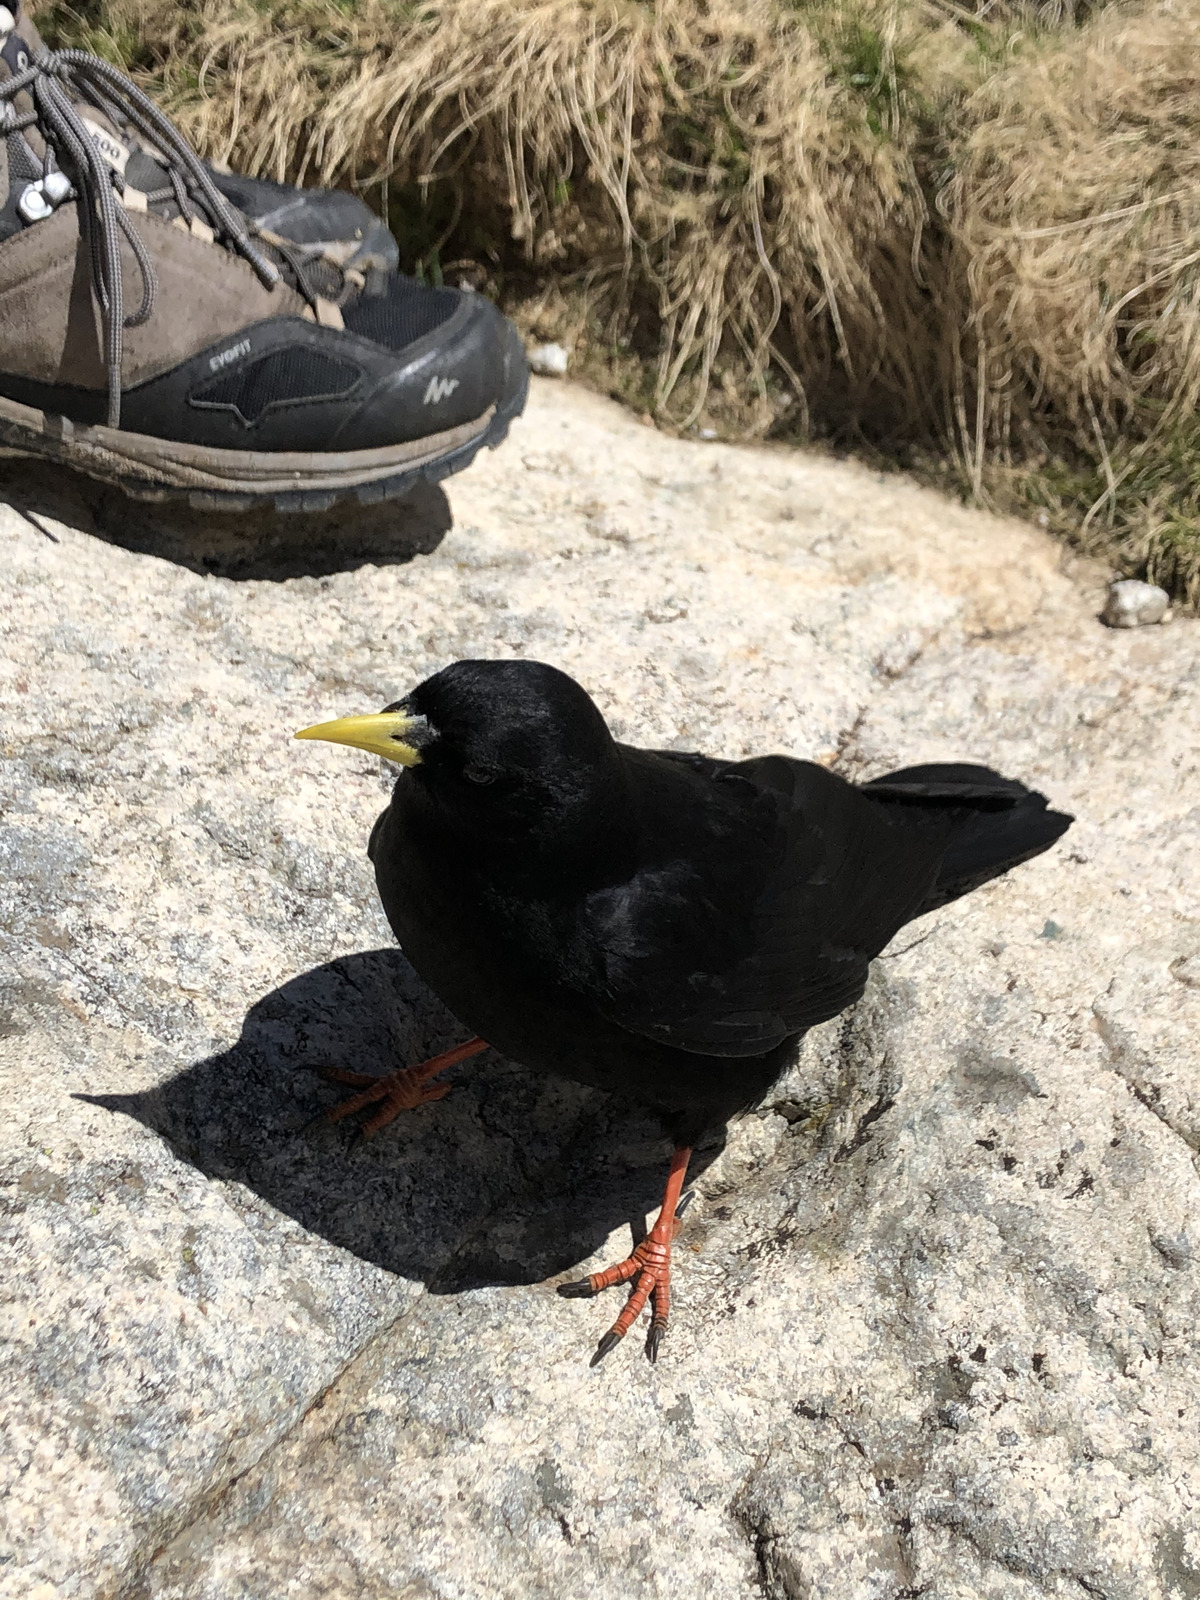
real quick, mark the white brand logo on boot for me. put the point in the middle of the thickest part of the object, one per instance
(440, 389)
(242, 348)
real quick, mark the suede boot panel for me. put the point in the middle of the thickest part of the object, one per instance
(51, 329)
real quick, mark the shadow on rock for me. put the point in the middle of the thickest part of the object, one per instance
(510, 1179)
(245, 544)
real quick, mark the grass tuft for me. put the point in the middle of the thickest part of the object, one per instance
(916, 224)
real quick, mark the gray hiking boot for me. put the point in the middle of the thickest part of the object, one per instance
(151, 337)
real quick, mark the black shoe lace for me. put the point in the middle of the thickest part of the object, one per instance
(102, 221)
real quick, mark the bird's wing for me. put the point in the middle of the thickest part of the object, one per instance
(764, 923)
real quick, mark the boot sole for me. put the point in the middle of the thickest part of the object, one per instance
(147, 468)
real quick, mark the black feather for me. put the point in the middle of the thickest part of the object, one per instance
(1000, 823)
(662, 925)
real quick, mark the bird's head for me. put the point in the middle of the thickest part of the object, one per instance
(496, 751)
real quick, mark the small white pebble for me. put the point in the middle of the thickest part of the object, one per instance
(549, 360)
(707, 433)
(1134, 604)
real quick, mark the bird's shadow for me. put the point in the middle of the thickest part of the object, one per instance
(511, 1179)
(259, 543)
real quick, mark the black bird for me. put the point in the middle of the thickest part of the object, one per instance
(660, 925)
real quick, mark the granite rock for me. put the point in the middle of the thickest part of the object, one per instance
(936, 1300)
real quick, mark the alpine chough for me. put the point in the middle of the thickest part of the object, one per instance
(663, 926)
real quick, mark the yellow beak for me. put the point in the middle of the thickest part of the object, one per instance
(382, 734)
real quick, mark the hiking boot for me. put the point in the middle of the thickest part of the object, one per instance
(240, 369)
(319, 222)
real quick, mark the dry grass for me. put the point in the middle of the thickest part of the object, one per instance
(697, 165)
(899, 221)
(1077, 225)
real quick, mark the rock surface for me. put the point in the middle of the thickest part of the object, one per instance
(936, 1304)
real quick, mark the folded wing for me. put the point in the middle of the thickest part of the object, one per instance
(770, 927)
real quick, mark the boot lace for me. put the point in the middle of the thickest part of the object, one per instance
(50, 79)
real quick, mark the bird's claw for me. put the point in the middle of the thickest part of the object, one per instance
(609, 1342)
(395, 1092)
(650, 1268)
(580, 1290)
(399, 1091)
(658, 1327)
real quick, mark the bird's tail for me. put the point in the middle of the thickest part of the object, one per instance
(996, 822)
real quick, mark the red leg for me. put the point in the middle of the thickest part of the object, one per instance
(650, 1265)
(399, 1091)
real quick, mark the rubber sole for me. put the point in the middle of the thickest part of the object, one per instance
(147, 468)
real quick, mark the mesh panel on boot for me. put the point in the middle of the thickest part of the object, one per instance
(406, 313)
(23, 165)
(282, 378)
(22, 169)
(144, 173)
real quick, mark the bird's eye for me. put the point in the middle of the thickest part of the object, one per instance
(475, 774)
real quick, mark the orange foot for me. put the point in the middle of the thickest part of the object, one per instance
(398, 1091)
(650, 1265)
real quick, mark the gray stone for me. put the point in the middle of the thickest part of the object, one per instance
(1134, 604)
(936, 1300)
(549, 360)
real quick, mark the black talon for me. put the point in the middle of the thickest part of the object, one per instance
(654, 1339)
(582, 1290)
(609, 1342)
